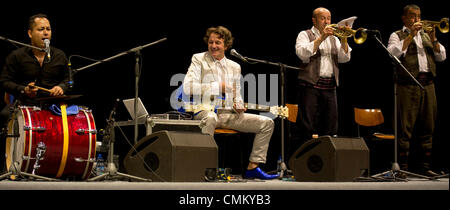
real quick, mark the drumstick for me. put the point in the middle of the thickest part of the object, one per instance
(40, 88)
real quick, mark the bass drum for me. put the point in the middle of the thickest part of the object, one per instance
(70, 142)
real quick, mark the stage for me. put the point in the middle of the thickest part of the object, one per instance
(412, 184)
(247, 194)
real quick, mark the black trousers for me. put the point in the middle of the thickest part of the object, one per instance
(318, 111)
(417, 112)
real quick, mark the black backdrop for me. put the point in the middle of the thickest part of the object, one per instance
(264, 30)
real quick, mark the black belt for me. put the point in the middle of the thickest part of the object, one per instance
(424, 78)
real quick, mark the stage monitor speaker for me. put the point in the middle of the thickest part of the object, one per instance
(172, 156)
(330, 160)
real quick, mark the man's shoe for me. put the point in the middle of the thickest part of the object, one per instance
(259, 174)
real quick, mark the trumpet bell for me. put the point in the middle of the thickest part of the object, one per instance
(360, 36)
(442, 25)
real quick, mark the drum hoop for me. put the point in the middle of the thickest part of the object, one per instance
(12, 146)
(86, 169)
(30, 137)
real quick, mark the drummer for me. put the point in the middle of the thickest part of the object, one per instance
(27, 68)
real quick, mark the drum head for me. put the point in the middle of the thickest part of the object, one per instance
(11, 142)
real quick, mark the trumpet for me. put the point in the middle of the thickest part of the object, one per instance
(359, 35)
(429, 26)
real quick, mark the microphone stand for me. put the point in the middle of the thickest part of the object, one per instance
(282, 170)
(111, 170)
(23, 44)
(137, 52)
(395, 169)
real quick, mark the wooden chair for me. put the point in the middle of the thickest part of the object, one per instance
(224, 131)
(222, 136)
(370, 118)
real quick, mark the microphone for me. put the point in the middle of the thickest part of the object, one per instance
(47, 47)
(70, 76)
(237, 55)
(369, 31)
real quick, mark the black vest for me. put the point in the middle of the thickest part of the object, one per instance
(411, 59)
(310, 72)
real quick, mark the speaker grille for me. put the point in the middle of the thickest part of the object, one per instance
(315, 163)
(151, 162)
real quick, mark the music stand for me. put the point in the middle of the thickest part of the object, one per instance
(395, 169)
(111, 171)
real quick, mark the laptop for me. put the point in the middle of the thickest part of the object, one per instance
(141, 111)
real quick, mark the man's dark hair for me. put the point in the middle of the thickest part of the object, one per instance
(408, 7)
(31, 21)
(223, 33)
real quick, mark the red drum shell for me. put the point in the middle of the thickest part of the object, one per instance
(36, 125)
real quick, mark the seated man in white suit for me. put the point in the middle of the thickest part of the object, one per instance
(211, 75)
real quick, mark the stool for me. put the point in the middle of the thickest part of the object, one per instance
(221, 133)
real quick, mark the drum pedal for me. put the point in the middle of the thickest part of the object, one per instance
(40, 151)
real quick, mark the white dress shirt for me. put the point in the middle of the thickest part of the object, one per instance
(304, 49)
(395, 46)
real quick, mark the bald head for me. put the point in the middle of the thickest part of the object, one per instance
(321, 18)
(320, 11)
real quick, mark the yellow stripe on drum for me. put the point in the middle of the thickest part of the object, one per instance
(65, 141)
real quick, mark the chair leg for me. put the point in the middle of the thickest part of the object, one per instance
(359, 134)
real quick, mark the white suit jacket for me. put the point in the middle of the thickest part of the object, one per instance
(203, 79)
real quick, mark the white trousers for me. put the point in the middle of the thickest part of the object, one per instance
(262, 126)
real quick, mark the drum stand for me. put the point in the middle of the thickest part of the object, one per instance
(14, 169)
(111, 169)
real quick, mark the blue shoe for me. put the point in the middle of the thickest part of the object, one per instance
(259, 174)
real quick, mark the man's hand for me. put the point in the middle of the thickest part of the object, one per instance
(31, 90)
(415, 28)
(225, 88)
(327, 31)
(239, 108)
(56, 91)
